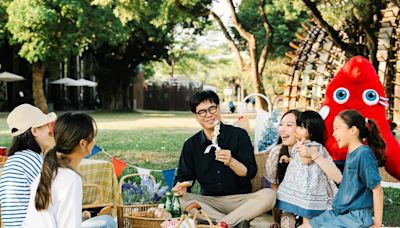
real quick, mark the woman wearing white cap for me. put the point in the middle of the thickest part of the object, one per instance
(30, 129)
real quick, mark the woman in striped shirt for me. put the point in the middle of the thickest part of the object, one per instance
(30, 129)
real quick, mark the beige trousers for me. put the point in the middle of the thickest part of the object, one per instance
(233, 209)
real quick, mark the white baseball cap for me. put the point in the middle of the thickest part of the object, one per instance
(26, 116)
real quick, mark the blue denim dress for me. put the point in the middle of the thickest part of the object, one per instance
(352, 206)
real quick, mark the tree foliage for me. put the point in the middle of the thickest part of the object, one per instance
(352, 25)
(53, 30)
(284, 18)
(116, 67)
(150, 27)
(47, 30)
(3, 20)
(50, 31)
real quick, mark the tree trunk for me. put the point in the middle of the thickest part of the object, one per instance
(252, 47)
(115, 97)
(256, 77)
(115, 92)
(171, 68)
(251, 41)
(37, 86)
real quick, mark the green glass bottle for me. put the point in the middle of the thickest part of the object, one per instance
(176, 206)
(168, 203)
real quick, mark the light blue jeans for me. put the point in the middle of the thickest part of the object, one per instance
(103, 221)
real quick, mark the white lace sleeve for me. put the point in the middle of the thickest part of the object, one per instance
(271, 165)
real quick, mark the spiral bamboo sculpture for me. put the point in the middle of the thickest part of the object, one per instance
(315, 60)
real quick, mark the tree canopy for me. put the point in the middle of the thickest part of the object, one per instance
(284, 18)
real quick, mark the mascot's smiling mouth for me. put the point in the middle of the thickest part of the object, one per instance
(355, 108)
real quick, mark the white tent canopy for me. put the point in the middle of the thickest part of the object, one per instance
(62, 81)
(10, 77)
(73, 82)
(88, 83)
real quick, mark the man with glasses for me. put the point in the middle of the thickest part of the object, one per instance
(224, 172)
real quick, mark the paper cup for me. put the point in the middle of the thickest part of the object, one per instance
(3, 151)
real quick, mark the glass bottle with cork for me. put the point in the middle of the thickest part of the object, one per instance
(168, 203)
(176, 206)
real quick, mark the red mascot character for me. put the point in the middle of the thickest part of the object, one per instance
(357, 86)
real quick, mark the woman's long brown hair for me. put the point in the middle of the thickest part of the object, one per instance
(69, 130)
(281, 169)
(368, 130)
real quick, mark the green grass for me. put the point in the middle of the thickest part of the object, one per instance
(153, 140)
(391, 208)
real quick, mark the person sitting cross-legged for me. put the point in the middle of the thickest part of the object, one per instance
(224, 172)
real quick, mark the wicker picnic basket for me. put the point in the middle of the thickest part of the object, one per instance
(257, 181)
(124, 212)
(142, 222)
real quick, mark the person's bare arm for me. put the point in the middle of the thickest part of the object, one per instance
(330, 169)
(378, 205)
(226, 157)
(313, 153)
(306, 160)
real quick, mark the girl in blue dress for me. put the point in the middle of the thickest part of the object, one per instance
(360, 190)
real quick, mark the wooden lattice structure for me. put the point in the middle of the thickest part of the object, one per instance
(314, 63)
(316, 60)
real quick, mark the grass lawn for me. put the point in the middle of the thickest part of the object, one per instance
(154, 140)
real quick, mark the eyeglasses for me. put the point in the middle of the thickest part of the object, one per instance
(211, 110)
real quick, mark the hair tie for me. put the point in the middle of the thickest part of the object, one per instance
(59, 149)
(366, 122)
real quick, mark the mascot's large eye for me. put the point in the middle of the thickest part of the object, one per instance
(370, 97)
(341, 95)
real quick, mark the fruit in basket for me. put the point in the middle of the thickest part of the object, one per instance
(150, 212)
(86, 215)
(138, 214)
(162, 213)
(154, 213)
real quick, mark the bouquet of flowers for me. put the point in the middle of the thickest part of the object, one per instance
(145, 193)
(270, 134)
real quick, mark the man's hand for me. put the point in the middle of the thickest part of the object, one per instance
(179, 189)
(223, 156)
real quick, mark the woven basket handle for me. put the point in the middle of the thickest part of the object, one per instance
(198, 211)
(99, 190)
(260, 95)
(204, 215)
(134, 175)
